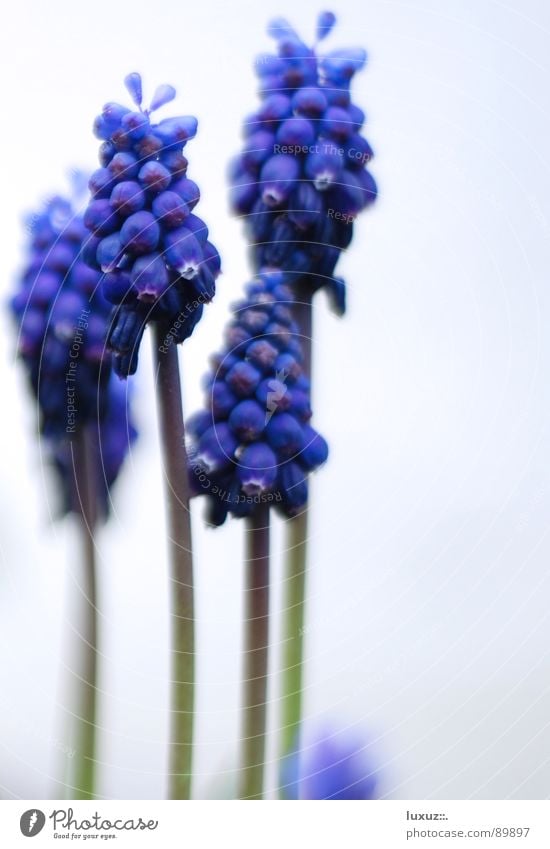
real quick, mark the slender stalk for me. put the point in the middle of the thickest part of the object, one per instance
(295, 575)
(293, 632)
(86, 484)
(255, 654)
(172, 437)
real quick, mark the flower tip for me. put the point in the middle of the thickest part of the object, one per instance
(280, 28)
(133, 84)
(325, 24)
(163, 94)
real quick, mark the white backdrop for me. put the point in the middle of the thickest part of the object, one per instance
(428, 589)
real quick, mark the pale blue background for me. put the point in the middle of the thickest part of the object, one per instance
(428, 591)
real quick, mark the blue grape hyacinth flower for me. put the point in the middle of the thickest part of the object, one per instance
(62, 321)
(253, 443)
(302, 176)
(331, 766)
(151, 247)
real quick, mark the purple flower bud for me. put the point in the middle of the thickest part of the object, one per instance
(247, 420)
(106, 152)
(175, 132)
(124, 166)
(325, 23)
(278, 177)
(341, 65)
(89, 251)
(170, 209)
(309, 102)
(299, 405)
(135, 125)
(257, 469)
(275, 108)
(273, 395)
(117, 287)
(222, 399)
(297, 132)
(292, 482)
(140, 233)
(285, 435)
(243, 379)
(100, 218)
(324, 167)
(163, 94)
(183, 252)
(262, 354)
(188, 191)
(315, 450)
(216, 448)
(257, 148)
(127, 197)
(154, 176)
(198, 423)
(149, 147)
(175, 162)
(133, 84)
(305, 206)
(150, 277)
(101, 183)
(337, 123)
(109, 252)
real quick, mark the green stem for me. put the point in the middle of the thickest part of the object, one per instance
(293, 633)
(86, 480)
(172, 436)
(255, 654)
(295, 574)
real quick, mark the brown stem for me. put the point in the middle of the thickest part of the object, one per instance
(172, 436)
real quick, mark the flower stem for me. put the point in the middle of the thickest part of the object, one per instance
(255, 654)
(293, 632)
(86, 485)
(295, 574)
(172, 436)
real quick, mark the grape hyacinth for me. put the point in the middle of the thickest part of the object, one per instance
(146, 239)
(253, 444)
(62, 318)
(301, 178)
(331, 766)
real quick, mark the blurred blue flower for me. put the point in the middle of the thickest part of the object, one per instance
(153, 251)
(254, 443)
(62, 320)
(302, 178)
(332, 766)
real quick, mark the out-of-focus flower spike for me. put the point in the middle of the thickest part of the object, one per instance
(63, 321)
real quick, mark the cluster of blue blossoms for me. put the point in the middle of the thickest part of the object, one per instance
(302, 177)
(153, 251)
(62, 320)
(253, 443)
